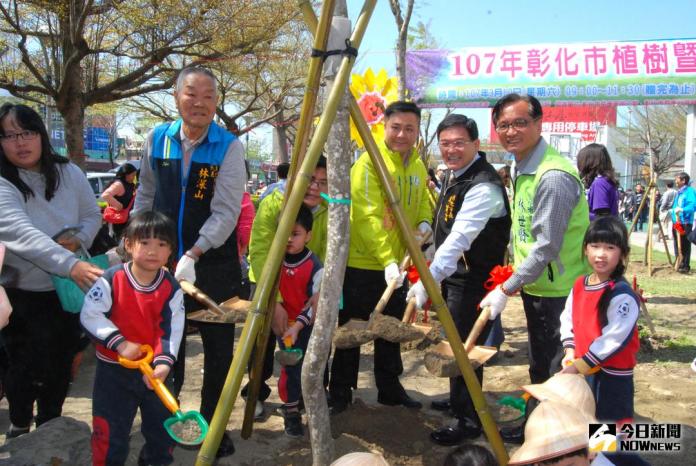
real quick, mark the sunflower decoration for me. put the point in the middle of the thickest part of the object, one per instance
(373, 94)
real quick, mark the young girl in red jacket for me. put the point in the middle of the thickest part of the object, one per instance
(598, 324)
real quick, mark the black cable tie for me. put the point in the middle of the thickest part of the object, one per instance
(348, 51)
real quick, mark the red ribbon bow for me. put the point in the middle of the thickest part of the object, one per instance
(680, 228)
(639, 290)
(412, 273)
(498, 276)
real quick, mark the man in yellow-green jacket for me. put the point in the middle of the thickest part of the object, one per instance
(376, 249)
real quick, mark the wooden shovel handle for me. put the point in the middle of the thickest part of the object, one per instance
(408, 313)
(386, 296)
(201, 297)
(680, 256)
(382, 303)
(480, 323)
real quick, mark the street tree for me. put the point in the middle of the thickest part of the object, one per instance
(403, 19)
(267, 86)
(656, 131)
(78, 53)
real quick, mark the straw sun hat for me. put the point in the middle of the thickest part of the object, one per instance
(361, 459)
(553, 429)
(567, 388)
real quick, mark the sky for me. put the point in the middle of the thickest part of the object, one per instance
(469, 23)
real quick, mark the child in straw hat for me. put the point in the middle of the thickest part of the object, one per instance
(555, 434)
(571, 389)
(361, 459)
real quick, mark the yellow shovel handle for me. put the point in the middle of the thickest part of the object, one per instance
(157, 385)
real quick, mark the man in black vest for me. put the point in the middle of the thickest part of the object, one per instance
(193, 171)
(472, 229)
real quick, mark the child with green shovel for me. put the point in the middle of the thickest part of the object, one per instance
(133, 304)
(300, 278)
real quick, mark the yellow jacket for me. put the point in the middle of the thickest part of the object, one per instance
(375, 241)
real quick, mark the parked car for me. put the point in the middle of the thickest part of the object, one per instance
(99, 181)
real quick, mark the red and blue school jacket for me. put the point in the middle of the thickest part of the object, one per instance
(300, 279)
(611, 343)
(118, 308)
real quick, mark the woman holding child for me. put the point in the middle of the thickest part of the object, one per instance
(40, 194)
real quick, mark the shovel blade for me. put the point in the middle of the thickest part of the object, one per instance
(440, 361)
(289, 357)
(352, 334)
(189, 428)
(393, 330)
(234, 312)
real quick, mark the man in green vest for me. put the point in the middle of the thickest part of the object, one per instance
(549, 219)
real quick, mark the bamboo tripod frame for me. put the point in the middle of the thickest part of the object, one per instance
(258, 313)
(648, 256)
(438, 303)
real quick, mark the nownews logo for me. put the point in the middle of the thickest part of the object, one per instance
(635, 437)
(602, 437)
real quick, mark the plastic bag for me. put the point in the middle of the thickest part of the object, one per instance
(70, 294)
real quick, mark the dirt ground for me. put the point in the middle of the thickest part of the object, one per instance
(664, 392)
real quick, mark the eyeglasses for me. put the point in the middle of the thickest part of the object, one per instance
(26, 135)
(319, 183)
(455, 144)
(518, 124)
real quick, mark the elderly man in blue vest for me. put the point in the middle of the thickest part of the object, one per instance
(193, 171)
(549, 219)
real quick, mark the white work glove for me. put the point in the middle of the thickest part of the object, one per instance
(496, 301)
(392, 272)
(425, 230)
(429, 253)
(417, 291)
(185, 269)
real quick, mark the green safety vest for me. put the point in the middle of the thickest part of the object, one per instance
(551, 283)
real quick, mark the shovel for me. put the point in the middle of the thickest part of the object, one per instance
(680, 256)
(357, 332)
(189, 428)
(440, 361)
(288, 356)
(231, 311)
(428, 332)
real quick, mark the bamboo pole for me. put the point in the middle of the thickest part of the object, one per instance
(206, 455)
(306, 115)
(664, 242)
(651, 223)
(313, 80)
(432, 200)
